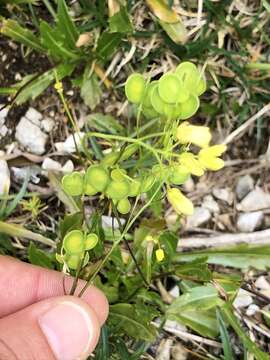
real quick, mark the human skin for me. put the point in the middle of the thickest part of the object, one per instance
(39, 322)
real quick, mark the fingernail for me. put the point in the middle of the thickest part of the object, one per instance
(68, 329)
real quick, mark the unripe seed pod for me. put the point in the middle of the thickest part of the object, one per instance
(89, 189)
(171, 89)
(118, 174)
(156, 100)
(97, 176)
(118, 190)
(189, 108)
(91, 241)
(135, 188)
(129, 151)
(135, 87)
(73, 261)
(124, 206)
(148, 94)
(73, 184)
(110, 159)
(73, 242)
(150, 113)
(147, 183)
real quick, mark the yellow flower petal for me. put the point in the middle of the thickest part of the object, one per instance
(180, 203)
(211, 163)
(160, 255)
(191, 163)
(216, 150)
(197, 135)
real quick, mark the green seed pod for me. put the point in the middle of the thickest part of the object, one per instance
(135, 88)
(110, 159)
(73, 261)
(97, 176)
(73, 184)
(124, 206)
(178, 174)
(189, 108)
(191, 77)
(91, 241)
(135, 187)
(118, 190)
(148, 94)
(118, 174)
(89, 189)
(171, 89)
(201, 87)
(147, 182)
(73, 242)
(156, 101)
(129, 151)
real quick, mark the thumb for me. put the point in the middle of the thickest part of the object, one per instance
(62, 328)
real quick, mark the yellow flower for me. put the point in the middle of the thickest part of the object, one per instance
(160, 255)
(197, 135)
(180, 203)
(191, 163)
(209, 157)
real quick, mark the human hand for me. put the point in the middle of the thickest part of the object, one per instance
(38, 322)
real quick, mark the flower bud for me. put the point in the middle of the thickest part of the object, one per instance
(180, 203)
(197, 135)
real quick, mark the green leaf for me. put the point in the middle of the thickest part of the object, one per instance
(201, 321)
(241, 257)
(196, 270)
(124, 316)
(54, 41)
(16, 32)
(107, 44)
(90, 91)
(5, 244)
(120, 22)
(227, 312)
(177, 31)
(66, 25)
(169, 242)
(103, 348)
(105, 123)
(39, 257)
(71, 222)
(225, 337)
(39, 84)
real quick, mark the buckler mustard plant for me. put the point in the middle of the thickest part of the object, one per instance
(157, 161)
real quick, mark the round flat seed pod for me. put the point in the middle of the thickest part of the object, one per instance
(148, 93)
(201, 86)
(89, 189)
(169, 88)
(179, 174)
(118, 190)
(91, 241)
(150, 113)
(73, 261)
(73, 184)
(118, 174)
(73, 242)
(135, 87)
(135, 187)
(147, 183)
(124, 206)
(97, 176)
(189, 74)
(189, 108)
(156, 101)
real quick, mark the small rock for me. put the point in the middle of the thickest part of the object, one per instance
(243, 299)
(3, 130)
(175, 291)
(21, 173)
(164, 349)
(33, 115)
(256, 200)
(200, 216)
(3, 113)
(248, 222)
(252, 309)
(29, 135)
(262, 284)
(4, 178)
(69, 145)
(223, 194)
(189, 185)
(244, 185)
(68, 167)
(47, 124)
(50, 164)
(179, 352)
(210, 204)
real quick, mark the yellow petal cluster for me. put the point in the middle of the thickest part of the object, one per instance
(180, 203)
(191, 163)
(193, 134)
(209, 157)
(160, 255)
